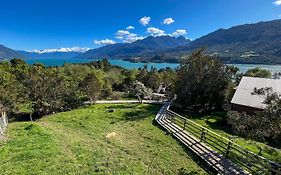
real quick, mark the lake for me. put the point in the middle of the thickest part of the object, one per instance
(129, 65)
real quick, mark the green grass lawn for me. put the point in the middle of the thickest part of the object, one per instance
(93, 140)
(218, 125)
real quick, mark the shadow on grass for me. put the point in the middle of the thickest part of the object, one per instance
(219, 123)
(141, 112)
(121, 106)
(216, 120)
(197, 159)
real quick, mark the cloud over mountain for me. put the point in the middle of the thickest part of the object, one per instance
(179, 32)
(145, 20)
(130, 28)
(168, 21)
(155, 31)
(104, 42)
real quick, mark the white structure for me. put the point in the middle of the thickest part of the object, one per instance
(3, 121)
(243, 96)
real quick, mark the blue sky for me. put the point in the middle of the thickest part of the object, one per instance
(42, 24)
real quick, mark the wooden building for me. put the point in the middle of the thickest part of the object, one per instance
(244, 100)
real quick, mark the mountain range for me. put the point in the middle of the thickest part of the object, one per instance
(7, 53)
(258, 43)
(138, 49)
(249, 43)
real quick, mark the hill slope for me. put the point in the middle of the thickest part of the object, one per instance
(82, 142)
(7, 53)
(250, 43)
(140, 48)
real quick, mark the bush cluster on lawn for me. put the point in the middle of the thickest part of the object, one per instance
(41, 90)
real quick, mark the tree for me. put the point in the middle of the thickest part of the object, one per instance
(201, 83)
(92, 87)
(263, 125)
(258, 72)
(140, 91)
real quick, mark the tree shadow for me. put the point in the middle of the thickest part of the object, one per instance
(219, 123)
(121, 106)
(141, 112)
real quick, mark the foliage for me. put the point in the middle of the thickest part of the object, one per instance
(264, 125)
(258, 72)
(140, 91)
(201, 83)
(91, 86)
(41, 90)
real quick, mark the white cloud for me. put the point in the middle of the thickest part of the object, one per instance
(127, 37)
(277, 2)
(145, 20)
(122, 32)
(63, 49)
(155, 31)
(132, 38)
(130, 28)
(169, 21)
(104, 42)
(179, 32)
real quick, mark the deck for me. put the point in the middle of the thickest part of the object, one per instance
(215, 160)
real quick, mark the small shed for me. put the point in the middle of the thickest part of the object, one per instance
(244, 100)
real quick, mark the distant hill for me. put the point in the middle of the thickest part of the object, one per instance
(7, 53)
(250, 43)
(138, 49)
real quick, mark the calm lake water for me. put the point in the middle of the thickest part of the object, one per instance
(129, 65)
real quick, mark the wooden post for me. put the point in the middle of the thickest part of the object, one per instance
(260, 151)
(228, 148)
(202, 135)
(184, 124)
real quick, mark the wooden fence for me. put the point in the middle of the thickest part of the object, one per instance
(3, 122)
(251, 162)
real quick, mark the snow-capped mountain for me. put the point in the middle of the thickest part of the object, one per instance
(55, 53)
(72, 49)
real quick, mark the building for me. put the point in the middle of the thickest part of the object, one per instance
(244, 100)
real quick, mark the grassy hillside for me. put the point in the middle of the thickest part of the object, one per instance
(94, 141)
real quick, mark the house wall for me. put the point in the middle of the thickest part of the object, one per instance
(241, 108)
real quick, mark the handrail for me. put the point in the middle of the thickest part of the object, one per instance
(262, 161)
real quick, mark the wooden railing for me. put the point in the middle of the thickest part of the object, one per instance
(251, 162)
(3, 122)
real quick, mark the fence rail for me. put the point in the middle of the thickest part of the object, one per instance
(253, 163)
(3, 122)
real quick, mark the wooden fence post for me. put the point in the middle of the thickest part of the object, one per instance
(228, 149)
(184, 124)
(202, 135)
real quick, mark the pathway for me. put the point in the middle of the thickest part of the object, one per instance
(126, 101)
(217, 161)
